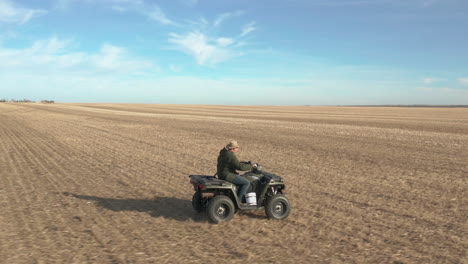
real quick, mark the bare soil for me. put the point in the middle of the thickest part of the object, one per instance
(108, 183)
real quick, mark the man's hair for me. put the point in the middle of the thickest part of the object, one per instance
(232, 144)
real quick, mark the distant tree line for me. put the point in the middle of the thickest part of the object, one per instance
(4, 100)
(413, 105)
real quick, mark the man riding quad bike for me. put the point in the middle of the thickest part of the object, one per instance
(220, 201)
(221, 197)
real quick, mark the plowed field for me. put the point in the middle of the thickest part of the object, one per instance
(107, 183)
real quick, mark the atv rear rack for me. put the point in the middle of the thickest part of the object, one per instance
(207, 180)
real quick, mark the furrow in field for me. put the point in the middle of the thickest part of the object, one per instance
(388, 189)
(31, 224)
(94, 221)
(379, 230)
(56, 219)
(13, 221)
(124, 142)
(139, 163)
(105, 195)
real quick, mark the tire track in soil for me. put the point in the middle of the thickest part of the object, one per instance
(341, 211)
(164, 234)
(340, 220)
(15, 220)
(139, 167)
(168, 209)
(109, 202)
(339, 228)
(27, 177)
(136, 169)
(347, 212)
(364, 224)
(39, 166)
(131, 141)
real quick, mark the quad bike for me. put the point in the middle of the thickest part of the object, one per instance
(219, 199)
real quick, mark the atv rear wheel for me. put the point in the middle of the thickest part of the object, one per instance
(220, 209)
(197, 203)
(277, 207)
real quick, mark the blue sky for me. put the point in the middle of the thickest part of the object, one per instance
(264, 52)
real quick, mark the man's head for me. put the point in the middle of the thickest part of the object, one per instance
(232, 146)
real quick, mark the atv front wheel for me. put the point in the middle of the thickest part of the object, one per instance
(197, 202)
(277, 207)
(220, 209)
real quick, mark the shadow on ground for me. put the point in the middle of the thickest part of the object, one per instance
(168, 207)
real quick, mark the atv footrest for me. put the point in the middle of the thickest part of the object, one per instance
(249, 207)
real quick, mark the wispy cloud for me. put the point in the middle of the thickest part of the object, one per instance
(11, 13)
(197, 38)
(426, 3)
(151, 11)
(442, 95)
(430, 80)
(224, 42)
(225, 16)
(175, 68)
(156, 14)
(412, 3)
(119, 8)
(250, 27)
(463, 81)
(204, 50)
(425, 89)
(42, 52)
(205, 47)
(56, 54)
(446, 91)
(191, 3)
(62, 4)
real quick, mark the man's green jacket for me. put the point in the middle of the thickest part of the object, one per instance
(228, 164)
